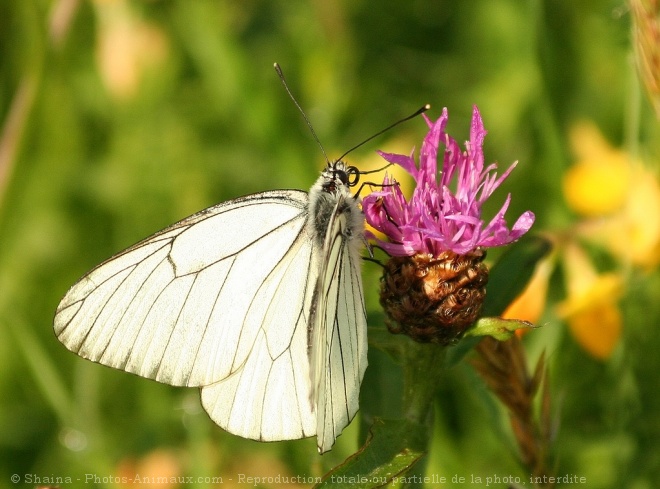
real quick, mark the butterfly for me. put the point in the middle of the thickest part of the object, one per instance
(257, 301)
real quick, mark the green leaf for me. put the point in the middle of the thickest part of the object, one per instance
(392, 448)
(498, 328)
(510, 274)
(44, 371)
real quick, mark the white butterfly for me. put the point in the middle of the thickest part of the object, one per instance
(258, 301)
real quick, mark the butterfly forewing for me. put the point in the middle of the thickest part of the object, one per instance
(178, 308)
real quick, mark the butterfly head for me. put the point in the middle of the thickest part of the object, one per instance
(339, 175)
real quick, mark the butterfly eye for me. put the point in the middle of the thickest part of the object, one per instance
(353, 176)
(341, 173)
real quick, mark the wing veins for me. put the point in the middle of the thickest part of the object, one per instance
(107, 301)
(96, 286)
(279, 285)
(279, 262)
(128, 358)
(114, 331)
(241, 372)
(183, 305)
(237, 252)
(215, 303)
(338, 270)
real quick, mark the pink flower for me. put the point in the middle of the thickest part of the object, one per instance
(437, 219)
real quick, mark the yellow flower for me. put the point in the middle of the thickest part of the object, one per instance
(633, 234)
(598, 184)
(591, 308)
(530, 304)
(607, 183)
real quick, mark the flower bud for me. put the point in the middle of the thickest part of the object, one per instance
(434, 299)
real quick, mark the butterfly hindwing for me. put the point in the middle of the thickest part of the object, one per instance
(268, 397)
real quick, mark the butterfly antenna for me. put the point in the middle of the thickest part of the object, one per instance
(309, 124)
(421, 110)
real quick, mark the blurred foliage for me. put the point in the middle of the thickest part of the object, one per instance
(120, 117)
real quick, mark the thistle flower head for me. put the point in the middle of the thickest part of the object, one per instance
(437, 219)
(434, 285)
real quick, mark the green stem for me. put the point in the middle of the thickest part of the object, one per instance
(421, 370)
(422, 367)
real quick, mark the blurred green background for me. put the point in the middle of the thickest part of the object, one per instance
(120, 117)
